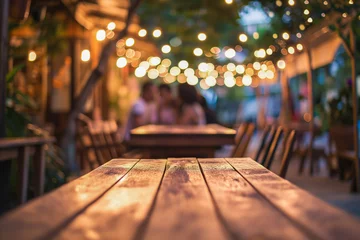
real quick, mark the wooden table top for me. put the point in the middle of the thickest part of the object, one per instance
(179, 199)
(210, 129)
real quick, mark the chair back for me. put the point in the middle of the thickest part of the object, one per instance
(264, 136)
(241, 148)
(239, 136)
(287, 153)
(273, 146)
(264, 150)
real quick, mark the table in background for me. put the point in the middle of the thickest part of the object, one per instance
(161, 141)
(184, 198)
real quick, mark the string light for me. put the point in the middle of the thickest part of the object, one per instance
(140, 72)
(192, 80)
(198, 52)
(231, 67)
(243, 37)
(291, 50)
(302, 27)
(247, 80)
(175, 71)
(142, 33)
(229, 82)
(326, 3)
(256, 35)
(285, 36)
(210, 81)
(85, 55)
(202, 36)
(189, 72)
(121, 62)
(230, 53)
(291, 2)
(100, 35)
(153, 73)
(111, 26)
(240, 69)
(228, 1)
(157, 33)
(32, 56)
(278, 3)
(275, 36)
(306, 12)
(183, 64)
(154, 61)
(129, 42)
(281, 64)
(299, 47)
(166, 49)
(310, 20)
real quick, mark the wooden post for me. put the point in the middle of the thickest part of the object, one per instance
(23, 173)
(39, 169)
(311, 109)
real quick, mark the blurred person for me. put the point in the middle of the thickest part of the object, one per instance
(143, 112)
(166, 106)
(190, 111)
(210, 115)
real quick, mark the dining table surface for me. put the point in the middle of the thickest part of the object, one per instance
(179, 198)
(162, 141)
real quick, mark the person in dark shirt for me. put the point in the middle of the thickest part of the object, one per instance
(210, 115)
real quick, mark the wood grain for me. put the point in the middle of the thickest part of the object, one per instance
(246, 213)
(309, 212)
(26, 141)
(184, 209)
(41, 217)
(121, 211)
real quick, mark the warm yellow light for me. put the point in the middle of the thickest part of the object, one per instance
(157, 33)
(285, 36)
(140, 72)
(170, 78)
(261, 74)
(145, 65)
(256, 65)
(203, 67)
(291, 2)
(183, 64)
(155, 61)
(121, 62)
(142, 33)
(249, 71)
(256, 35)
(243, 37)
(299, 47)
(240, 69)
(166, 62)
(181, 78)
(275, 36)
(310, 20)
(228, 1)
(306, 12)
(189, 72)
(210, 81)
(175, 71)
(130, 42)
(281, 64)
(100, 35)
(278, 3)
(302, 27)
(214, 73)
(228, 74)
(192, 80)
(202, 36)
(211, 67)
(298, 35)
(32, 56)
(85, 55)
(291, 50)
(198, 52)
(230, 53)
(261, 53)
(247, 80)
(270, 74)
(229, 82)
(269, 51)
(153, 73)
(111, 26)
(203, 85)
(166, 49)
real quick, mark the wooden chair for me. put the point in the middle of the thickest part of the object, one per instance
(264, 148)
(242, 146)
(273, 146)
(264, 136)
(289, 142)
(239, 136)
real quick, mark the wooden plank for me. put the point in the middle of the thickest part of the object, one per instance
(45, 215)
(28, 141)
(23, 173)
(121, 212)
(309, 212)
(246, 213)
(184, 209)
(39, 169)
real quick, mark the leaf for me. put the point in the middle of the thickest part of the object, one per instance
(11, 75)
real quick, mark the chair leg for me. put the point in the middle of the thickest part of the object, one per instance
(23, 173)
(302, 162)
(39, 164)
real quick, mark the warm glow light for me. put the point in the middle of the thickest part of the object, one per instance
(175, 71)
(32, 56)
(229, 81)
(211, 67)
(291, 2)
(285, 36)
(157, 33)
(228, 1)
(192, 80)
(142, 33)
(203, 85)
(121, 62)
(261, 74)
(145, 65)
(189, 72)
(181, 78)
(230, 53)
(166, 62)
(302, 27)
(228, 74)
(154, 61)
(153, 74)
(140, 72)
(183, 64)
(85, 55)
(281, 64)
(111, 26)
(202, 36)
(256, 65)
(198, 52)
(256, 35)
(270, 74)
(306, 12)
(231, 67)
(291, 50)
(247, 80)
(203, 67)
(214, 74)
(261, 53)
(210, 81)
(100, 35)
(243, 37)
(169, 78)
(310, 20)
(240, 69)
(275, 36)
(130, 42)
(299, 47)
(166, 49)
(269, 51)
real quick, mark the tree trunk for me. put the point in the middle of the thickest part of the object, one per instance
(311, 110)
(68, 139)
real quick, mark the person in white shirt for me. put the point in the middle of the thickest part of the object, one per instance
(144, 110)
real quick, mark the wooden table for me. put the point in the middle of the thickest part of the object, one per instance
(179, 199)
(161, 141)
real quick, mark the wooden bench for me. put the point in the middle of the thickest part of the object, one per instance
(185, 198)
(21, 149)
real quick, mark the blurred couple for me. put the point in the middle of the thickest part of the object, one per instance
(157, 105)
